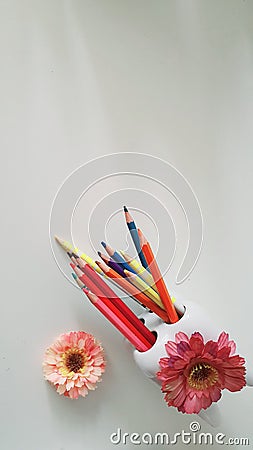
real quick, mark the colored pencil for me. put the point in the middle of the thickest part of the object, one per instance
(134, 292)
(127, 331)
(117, 257)
(81, 263)
(68, 247)
(143, 287)
(86, 280)
(139, 269)
(78, 281)
(101, 289)
(115, 266)
(135, 237)
(119, 321)
(135, 280)
(160, 284)
(179, 307)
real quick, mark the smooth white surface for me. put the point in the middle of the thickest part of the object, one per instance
(80, 79)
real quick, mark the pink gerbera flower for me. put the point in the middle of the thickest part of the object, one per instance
(195, 372)
(74, 364)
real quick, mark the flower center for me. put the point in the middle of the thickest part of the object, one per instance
(74, 360)
(202, 376)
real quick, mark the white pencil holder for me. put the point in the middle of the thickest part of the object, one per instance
(193, 320)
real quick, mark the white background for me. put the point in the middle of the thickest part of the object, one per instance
(80, 79)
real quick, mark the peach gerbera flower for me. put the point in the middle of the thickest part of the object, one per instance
(74, 364)
(195, 372)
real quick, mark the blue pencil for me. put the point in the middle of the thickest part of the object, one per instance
(134, 234)
(117, 257)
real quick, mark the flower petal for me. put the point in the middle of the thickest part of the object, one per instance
(196, 343)
(73, 393)
(83, 391)
(61, 389)
(210, 347)
(182, 347)
(70, 384)
(192, 405)
(232, 346)
(223, 340)
(171, 348)
(181, 337)
(215, 394)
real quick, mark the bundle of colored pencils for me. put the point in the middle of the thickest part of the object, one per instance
(142, 281)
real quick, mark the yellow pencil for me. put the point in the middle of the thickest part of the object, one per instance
(139, 269)
(68, 247)
(143, 287)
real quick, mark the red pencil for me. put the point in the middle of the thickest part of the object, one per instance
(95, 279)
(115, 319)
(113, 300)
(120, 322)
(158, 279)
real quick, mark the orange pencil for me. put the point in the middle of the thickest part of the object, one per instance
(133, 291)
(158, 279)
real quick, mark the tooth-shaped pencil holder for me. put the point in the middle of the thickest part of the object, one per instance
(192, 361)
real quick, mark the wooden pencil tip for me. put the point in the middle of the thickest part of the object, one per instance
(101, 264)
(92, 297)
(142, 238)
(103, 243)
(125, 209)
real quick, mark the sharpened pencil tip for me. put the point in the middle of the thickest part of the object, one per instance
(69, 254)
(74, 275)
(125, 209)
(99, 254)
(104, 244)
